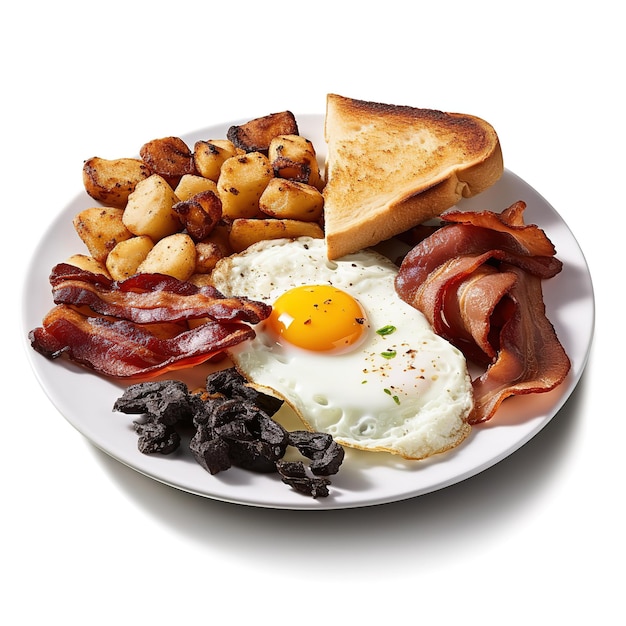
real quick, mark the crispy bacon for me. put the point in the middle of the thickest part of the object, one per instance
(530, 358)
(459, 299)
(123, 349)
(149, 298)
(474, 306)
(478, 281)
(138, 327)
(528, 236)
(502, 236)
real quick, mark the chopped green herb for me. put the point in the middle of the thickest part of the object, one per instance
(386, 330)
(394, 398)
(388, 354)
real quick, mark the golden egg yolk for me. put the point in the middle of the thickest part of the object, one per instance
(317, 317)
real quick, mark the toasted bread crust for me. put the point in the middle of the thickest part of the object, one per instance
(392, 167)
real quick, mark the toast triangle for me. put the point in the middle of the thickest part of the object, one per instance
(390, 168)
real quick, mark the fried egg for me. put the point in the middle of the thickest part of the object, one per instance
(345, 352)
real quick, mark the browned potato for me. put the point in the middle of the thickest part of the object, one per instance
(255, 135)
(88, 263)
(101, 229)
(174, 255)
(127, 256)
(208, 254)
(242, 181)
(245, 232)
(200, 214)
(209, 156)
(293, 157)
(220, 236)
(111, 181)
(149, 209)
(170, 157)
(289, 199)
(191, 184)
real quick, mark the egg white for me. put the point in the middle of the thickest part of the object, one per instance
(414, 404)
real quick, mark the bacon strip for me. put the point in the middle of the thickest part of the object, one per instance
(460, 299)
(529, 236)
(478, 281)
(149, 298)
(472, 307)
(530, 359)
(515, 246)
(123, 349)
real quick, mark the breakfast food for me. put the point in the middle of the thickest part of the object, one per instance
(257, 134)
(220, 194)
(389, 168)
(232, 425)
(478, 279)
(342, 349)
(242, 247)
(110, 181)
(137, 327)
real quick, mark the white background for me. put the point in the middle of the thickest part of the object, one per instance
(537, 538)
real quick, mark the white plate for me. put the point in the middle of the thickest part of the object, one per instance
(86, 399)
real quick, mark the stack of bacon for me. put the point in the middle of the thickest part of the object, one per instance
(478, 279)
(139, 327)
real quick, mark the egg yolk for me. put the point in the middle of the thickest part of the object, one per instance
(318, 317)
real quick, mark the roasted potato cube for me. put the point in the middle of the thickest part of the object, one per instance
(289, 199)
(101, 229)
(88, 263)
(208, 254)
(200, 214)
(220, 236)
(293, 157)
(209, 156)
(149, 209)
(191, 184)
(256, 135)
(242, 181)
(111, 181)
(244, 232)
(174, 255)
(170, 157)
(127, 256)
